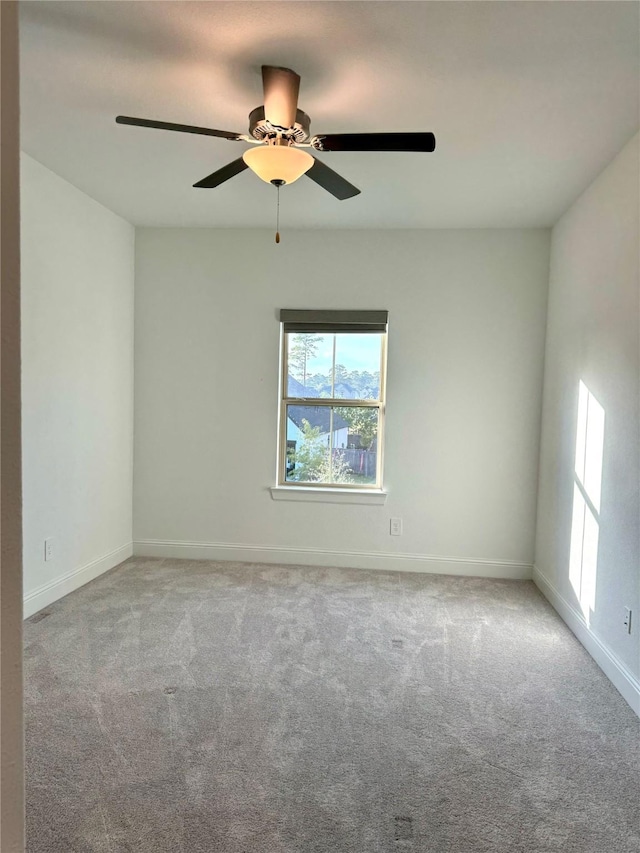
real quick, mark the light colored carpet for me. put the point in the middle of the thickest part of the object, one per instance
(199, 707)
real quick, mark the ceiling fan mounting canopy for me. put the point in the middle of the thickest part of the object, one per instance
(277, 131)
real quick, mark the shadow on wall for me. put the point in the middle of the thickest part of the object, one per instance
(587, 486)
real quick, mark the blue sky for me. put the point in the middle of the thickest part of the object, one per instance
(356, 352)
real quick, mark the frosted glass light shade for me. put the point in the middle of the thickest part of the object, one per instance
(278, 162)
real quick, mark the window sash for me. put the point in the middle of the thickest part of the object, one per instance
(282, 462)
(357, 401)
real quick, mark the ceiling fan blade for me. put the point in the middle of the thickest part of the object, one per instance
(374, 142)
(281, 87)
(221, 175)
(183, 128)
(331, 181)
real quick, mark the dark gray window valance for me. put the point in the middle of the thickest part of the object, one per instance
(304, 320)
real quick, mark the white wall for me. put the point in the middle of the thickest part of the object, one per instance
(466, 340)
(77, 385)
(593, 337)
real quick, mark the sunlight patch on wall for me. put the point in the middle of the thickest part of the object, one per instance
(587, 490)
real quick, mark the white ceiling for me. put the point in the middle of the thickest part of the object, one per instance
(528, 101)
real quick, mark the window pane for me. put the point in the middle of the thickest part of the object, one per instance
(331, 445)
(359, 457)
(327, 365)
(310, 360)
(357, 366)
(308, 444)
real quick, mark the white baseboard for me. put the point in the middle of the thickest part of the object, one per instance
(45, 595)
(615, 670)
(342, 559)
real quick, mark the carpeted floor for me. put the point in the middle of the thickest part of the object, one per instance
(201, 707)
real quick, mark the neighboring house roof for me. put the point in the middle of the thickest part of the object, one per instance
(317, 416)
(346, 391)
(297, 389)
(342, 389)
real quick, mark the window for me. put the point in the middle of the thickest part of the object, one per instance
(332, 404)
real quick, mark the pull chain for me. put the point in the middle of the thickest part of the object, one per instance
(277, 182)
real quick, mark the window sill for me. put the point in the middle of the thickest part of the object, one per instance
(330, 496)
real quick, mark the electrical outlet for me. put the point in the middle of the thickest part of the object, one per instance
(627, 619)
(395, 527)
(48, 549)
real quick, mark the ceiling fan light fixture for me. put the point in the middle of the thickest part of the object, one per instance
(278, 162)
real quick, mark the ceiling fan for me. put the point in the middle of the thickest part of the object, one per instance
(279, 131)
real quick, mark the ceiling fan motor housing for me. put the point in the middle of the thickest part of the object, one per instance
(263, 130)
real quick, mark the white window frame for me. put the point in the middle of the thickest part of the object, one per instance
(333, 318)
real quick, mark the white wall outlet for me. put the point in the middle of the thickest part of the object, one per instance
(627, 619)
(48, 549)
(395, 527)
